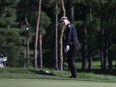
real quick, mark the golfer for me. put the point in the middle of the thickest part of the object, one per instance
(72, 45)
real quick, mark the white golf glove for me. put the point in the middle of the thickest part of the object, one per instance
(66, 48)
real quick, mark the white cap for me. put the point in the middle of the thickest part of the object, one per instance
(63, 17)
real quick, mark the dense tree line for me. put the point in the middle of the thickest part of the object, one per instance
(95, 21)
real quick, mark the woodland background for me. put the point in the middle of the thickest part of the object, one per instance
(95, 21)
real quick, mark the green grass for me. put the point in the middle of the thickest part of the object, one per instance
(95, 64)
(21, 77)
(22, 73)
(51, 83)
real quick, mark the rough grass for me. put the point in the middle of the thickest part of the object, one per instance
(54, 74)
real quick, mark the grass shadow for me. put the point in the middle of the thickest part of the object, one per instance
(41, 72)
(99, 71)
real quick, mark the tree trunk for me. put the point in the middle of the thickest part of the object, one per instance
(89, 45)
(27, 48)
(61, 50)
(84, 51)
(40, 51)
(103, 51)
(110, 54)
(102, 41)
(56, 37)
(103, 48)
(61, 39)
(85, 44)
(26, 54)
(37, 31)
(71, 11)
(89, 60)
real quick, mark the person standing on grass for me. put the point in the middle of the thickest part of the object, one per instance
(72, 45)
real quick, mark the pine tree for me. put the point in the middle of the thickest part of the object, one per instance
(10, 39)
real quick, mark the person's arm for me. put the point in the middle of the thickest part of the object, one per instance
(68, 34)
(68, 37)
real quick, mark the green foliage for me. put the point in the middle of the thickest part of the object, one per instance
(10, 35)
(8, 13)
(44, 23)
(11, 46)
(14, 12)
(27, 9)
(48, 3)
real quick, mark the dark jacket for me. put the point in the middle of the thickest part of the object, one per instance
(71, 35)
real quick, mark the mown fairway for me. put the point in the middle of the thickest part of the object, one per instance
(52, 83)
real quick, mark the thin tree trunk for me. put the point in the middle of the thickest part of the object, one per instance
(27, 49)
(110, 54)
(71, 11)
(84, 51)
(63, 8)
(27, 38)
(103, 51)
(56, 37)
(40, 51)
(37, 31)
(103, 48)
(103, 41)
(89, 60)
(89, 51)
(61, 39)
(85, 44)
(61, 50)
(26, 54)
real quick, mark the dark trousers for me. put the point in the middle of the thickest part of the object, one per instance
(71, 55)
